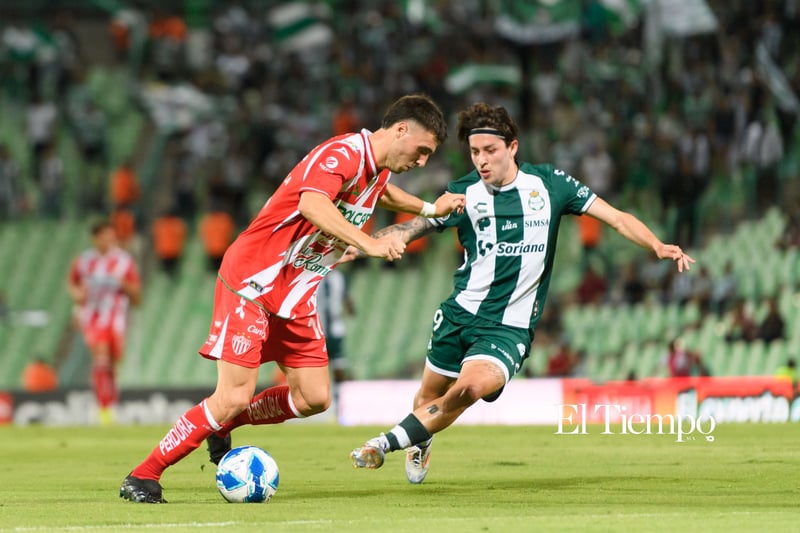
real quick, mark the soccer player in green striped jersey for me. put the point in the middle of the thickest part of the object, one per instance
(483, 331)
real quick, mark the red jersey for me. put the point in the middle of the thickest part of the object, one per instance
(106, 305)
(279, 260)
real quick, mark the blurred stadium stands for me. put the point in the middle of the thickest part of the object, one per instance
(388, 335)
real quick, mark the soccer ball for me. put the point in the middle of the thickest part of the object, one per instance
(247, 474)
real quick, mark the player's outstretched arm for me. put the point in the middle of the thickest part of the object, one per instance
(406, 231)
(396, 199)
(637, 232)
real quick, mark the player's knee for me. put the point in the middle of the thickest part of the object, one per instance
(464, 394)
(312, 403)
(231, 404)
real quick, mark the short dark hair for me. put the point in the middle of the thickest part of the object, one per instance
(99, 226)
(421, 109)
(482, 115)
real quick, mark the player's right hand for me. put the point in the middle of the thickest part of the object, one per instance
(388, 247)
(449, 202)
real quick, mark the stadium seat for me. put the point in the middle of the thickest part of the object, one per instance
(612, 340)
(650, 358)
(755, 359)
(717, 359)
(775, 357)
(629, 358)
(788, 266)
(737, 358)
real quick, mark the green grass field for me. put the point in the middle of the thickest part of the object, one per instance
(502, 479)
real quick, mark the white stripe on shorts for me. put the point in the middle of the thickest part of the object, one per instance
(482, 357)
(216, 351)
(440, 371)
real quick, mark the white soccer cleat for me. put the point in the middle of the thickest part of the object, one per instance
(370, 455)
(417, 459)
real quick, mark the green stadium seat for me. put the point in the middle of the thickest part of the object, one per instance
(593, 364)
(610, 368)
(612, 340)
(650, 358)
(630, 357)
(717, 359)
(788, 273)
(776, 357)
(755, 358)
(737, 358)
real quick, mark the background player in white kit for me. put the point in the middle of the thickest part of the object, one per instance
(264, 307)
(483, 331)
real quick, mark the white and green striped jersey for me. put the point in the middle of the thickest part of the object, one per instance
(509, 238)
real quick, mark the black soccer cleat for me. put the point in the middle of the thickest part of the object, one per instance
(141, 490)
(218, 447)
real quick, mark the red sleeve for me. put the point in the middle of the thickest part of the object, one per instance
(328, 169)
(74, 275)
(132, 274)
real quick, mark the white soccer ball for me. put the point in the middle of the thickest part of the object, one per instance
(247, 474)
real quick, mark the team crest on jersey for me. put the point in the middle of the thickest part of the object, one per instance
(536, 201)
(330, 164)
(240, 343)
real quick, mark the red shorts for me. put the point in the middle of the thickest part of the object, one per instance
(97, 336)
(244, 334)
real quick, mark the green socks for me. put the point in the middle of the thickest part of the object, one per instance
(407, 433)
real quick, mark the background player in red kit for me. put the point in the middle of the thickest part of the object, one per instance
(103, 281)
(265, 298)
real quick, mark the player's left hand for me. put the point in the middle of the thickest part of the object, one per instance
(449, 202)
(671, 251)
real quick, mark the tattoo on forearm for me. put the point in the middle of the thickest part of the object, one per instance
(433, 409)
(408, 231)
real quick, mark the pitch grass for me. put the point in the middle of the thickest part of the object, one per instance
(483, 479)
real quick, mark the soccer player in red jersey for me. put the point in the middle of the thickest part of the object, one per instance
(265, 298)
(103, 282)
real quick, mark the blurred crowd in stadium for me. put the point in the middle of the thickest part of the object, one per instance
(687, 118)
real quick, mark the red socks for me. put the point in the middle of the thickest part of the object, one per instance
(104, 384)
(270, 406)
(186, 435)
